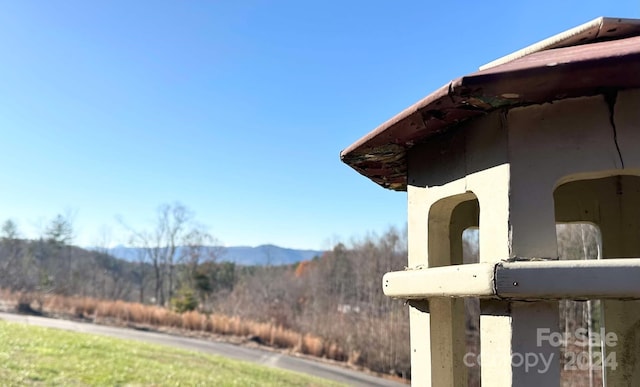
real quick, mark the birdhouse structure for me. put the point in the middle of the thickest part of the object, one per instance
(549, 134)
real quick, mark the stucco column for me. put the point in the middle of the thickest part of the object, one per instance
(509, 330)
(620, 229)
(437, 218)
(419, 320)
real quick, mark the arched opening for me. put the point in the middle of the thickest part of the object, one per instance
(597, 218)
(580, 364)
(448, 219)
(453, 240)
(471, 254)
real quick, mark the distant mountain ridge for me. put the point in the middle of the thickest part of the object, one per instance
(262, 255)
(267, 255)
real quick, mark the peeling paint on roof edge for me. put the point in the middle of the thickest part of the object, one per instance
(537, 78)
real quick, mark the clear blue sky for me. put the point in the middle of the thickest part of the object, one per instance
(238, 109)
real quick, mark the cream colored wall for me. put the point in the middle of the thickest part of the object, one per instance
(511, 162)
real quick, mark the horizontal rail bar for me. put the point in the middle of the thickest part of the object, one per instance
(584, 279)
(472, 280)
(521, 280)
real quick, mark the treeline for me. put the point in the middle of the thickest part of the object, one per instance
(336, 297)
(51, 264)
(175, 253)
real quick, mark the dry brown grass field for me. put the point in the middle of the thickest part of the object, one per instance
(151, 316)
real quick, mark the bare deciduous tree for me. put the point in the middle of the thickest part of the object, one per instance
(161, 244)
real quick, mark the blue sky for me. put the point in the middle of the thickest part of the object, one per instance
(236, 109)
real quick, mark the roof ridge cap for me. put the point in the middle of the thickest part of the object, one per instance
(601, 28)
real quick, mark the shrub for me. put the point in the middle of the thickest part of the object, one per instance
(185, 301)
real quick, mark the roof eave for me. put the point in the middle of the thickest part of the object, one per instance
(538, 78)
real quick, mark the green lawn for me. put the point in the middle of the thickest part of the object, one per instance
(41, 356)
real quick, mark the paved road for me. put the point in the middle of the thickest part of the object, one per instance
(266, 358)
